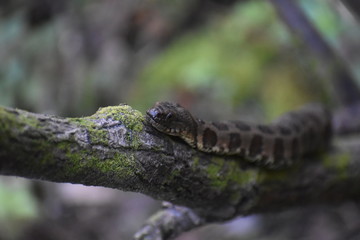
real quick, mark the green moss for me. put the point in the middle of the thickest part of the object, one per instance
(19, 121)
(119, 163)
(223, 173)
(338, 162)
(28, 120)
(131, 118)
(97, 135)
(77, 161)
(122, 114)
(195, 163)
(170, 178)
(214, 172)
(14, 124)
(5, 119)
(73, 163)
(273, 175)
(12, 121)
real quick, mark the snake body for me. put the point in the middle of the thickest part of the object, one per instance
(291, 136)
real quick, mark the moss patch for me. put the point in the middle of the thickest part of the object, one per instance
(120, 163)
(11, 120)
(79, 162)
(99, 123)
(131, 118)
(274, 175)
(229, 176)
(338, 162)
(223, 173)
(54, 154)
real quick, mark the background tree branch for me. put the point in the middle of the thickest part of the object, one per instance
(116, 148)
(344, 84)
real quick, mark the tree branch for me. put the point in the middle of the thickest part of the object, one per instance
(116, 148)
(169, 222)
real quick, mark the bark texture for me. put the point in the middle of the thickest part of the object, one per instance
(116, 148)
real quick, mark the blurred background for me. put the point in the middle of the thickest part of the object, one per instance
(221, 59)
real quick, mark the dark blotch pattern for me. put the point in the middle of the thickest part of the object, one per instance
(309, 140)
(312, 138)
(314, 118)
(235, 141)
(279, 149)
(295, 148)
(209, 138)
(256, 146)
(298, 117)
(296, 127)
(221, 126)
(327, 134)
(242, 126)
(306, 141)
(265, 129)
(284, 131)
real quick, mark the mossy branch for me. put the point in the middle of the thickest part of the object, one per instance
(116, 148)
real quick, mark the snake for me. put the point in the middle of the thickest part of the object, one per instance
(293, 135)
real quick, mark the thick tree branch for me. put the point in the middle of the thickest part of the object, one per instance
(116, 148)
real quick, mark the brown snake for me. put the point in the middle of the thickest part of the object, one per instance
(291, 136)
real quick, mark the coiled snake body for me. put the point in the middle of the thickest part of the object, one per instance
(274, 145)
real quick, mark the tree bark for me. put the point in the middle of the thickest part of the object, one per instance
(116, 148)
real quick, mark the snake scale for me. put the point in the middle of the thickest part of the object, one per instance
(278, 144)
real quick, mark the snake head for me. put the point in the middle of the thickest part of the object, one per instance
(172, 119)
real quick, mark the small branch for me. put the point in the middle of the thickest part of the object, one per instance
(344, 85)
(354, 7)
(169, 223)
(116, 148)
(347, 120)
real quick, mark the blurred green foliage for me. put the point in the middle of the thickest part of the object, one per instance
(16, 202)
(17, 207)
(242, 56)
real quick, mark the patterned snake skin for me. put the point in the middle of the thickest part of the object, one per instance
(275, 145)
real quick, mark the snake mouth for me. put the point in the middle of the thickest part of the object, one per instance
(150, 116)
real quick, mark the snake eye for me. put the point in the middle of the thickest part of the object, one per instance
(169, 116)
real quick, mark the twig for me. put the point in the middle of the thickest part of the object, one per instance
(169, 223)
